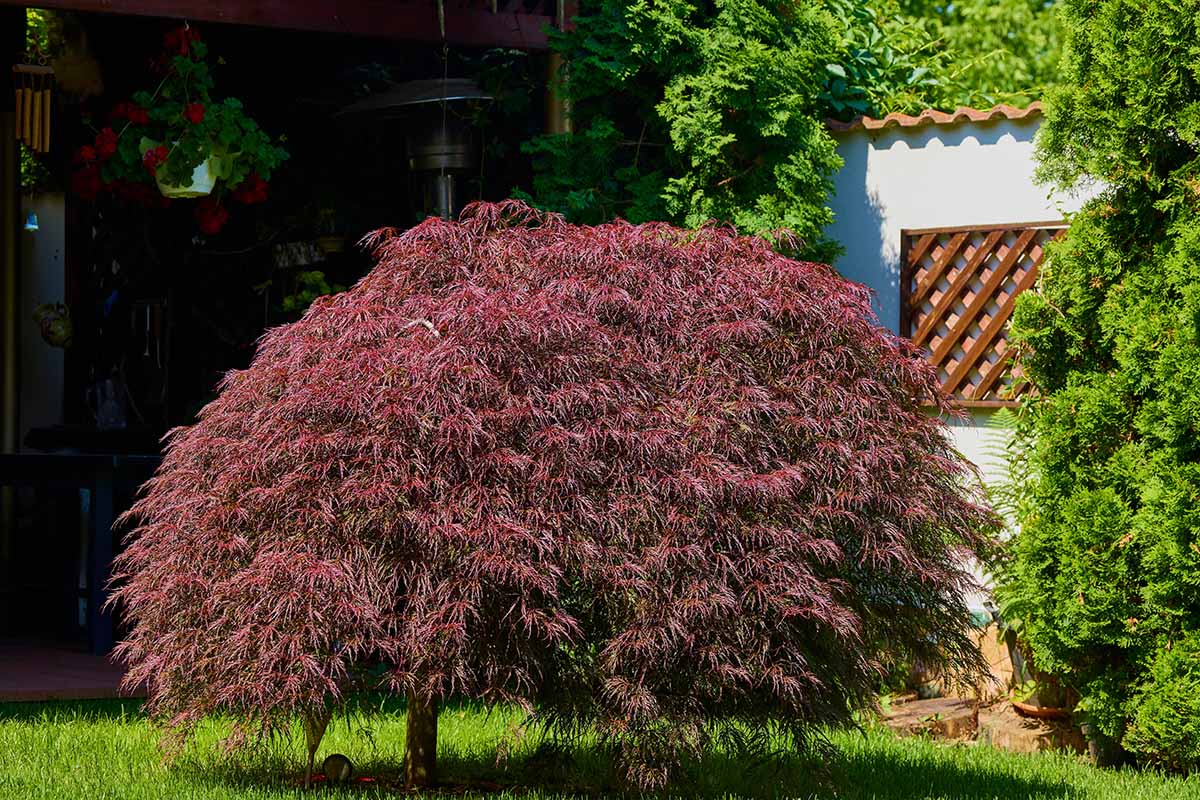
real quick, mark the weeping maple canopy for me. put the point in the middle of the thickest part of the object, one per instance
(652, 480)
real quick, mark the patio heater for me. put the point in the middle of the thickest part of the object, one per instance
(439, 140)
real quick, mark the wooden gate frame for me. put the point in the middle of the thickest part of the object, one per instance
(914, 244)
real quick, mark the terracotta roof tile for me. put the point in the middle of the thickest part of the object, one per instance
(933, 117)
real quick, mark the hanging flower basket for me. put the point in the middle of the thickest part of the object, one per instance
(217, 152)
(204, 177)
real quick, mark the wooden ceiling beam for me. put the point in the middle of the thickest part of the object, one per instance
(414, 20)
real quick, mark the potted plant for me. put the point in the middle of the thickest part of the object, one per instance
(328, 238)
(1041, 698)
(176, 141)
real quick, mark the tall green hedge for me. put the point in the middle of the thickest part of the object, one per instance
(1105, 572)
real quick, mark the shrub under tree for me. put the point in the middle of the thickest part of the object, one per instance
(1105, 572)
(666, 484)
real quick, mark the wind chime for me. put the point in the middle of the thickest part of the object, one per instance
(34, 86)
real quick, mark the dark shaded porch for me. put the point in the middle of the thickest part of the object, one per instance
(34, 671)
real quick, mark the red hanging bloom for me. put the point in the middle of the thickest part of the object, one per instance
(84, 155)
(85, 182)
(130, 111)
(106, 143)
(179, 40)
(154, 157)
(252, 190)
(194, 112)
(211, 215)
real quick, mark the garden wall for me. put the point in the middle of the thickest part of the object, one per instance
(963, 170)
(969, 169)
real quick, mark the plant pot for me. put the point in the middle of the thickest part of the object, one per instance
(1039, 712)
(204, 178)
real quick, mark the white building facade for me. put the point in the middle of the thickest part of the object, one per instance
(921, 202)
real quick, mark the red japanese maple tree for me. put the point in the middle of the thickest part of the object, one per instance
(656, 481)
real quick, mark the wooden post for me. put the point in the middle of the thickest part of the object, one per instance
(558, 105)
(12, 42)
(420, 753)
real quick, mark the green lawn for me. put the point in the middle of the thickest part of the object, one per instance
(99, 750)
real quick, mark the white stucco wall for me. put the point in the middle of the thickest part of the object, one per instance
(41, 282)
(932, 176)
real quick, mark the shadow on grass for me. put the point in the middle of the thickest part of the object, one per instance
(893, 773)
(83, 710)
(876, 767)
(885, 774)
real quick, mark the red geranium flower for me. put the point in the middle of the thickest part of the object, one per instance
(85, 183)
(194, 113)
(153, 157)
(106, 143)
(84, 155)
(252, 190)
(130, 111)
(180, 39)
(211, 215)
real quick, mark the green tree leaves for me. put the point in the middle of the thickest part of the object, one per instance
(692, 113)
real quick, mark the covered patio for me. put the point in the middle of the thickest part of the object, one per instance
(156, 311)
(36, 671)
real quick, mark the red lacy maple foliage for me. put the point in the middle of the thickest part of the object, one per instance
(647, 479)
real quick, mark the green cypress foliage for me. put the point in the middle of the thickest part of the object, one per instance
(1105, 572)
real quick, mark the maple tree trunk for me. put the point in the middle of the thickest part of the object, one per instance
(314, 729)
(420, 754)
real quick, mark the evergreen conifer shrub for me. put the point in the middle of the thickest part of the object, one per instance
(665, 483)
(1105, 572)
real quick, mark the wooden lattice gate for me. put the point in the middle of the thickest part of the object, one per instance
(957, 290)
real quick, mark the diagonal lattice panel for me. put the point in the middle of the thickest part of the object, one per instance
(958, 287)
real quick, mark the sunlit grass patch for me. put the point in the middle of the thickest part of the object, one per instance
(108, 749)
